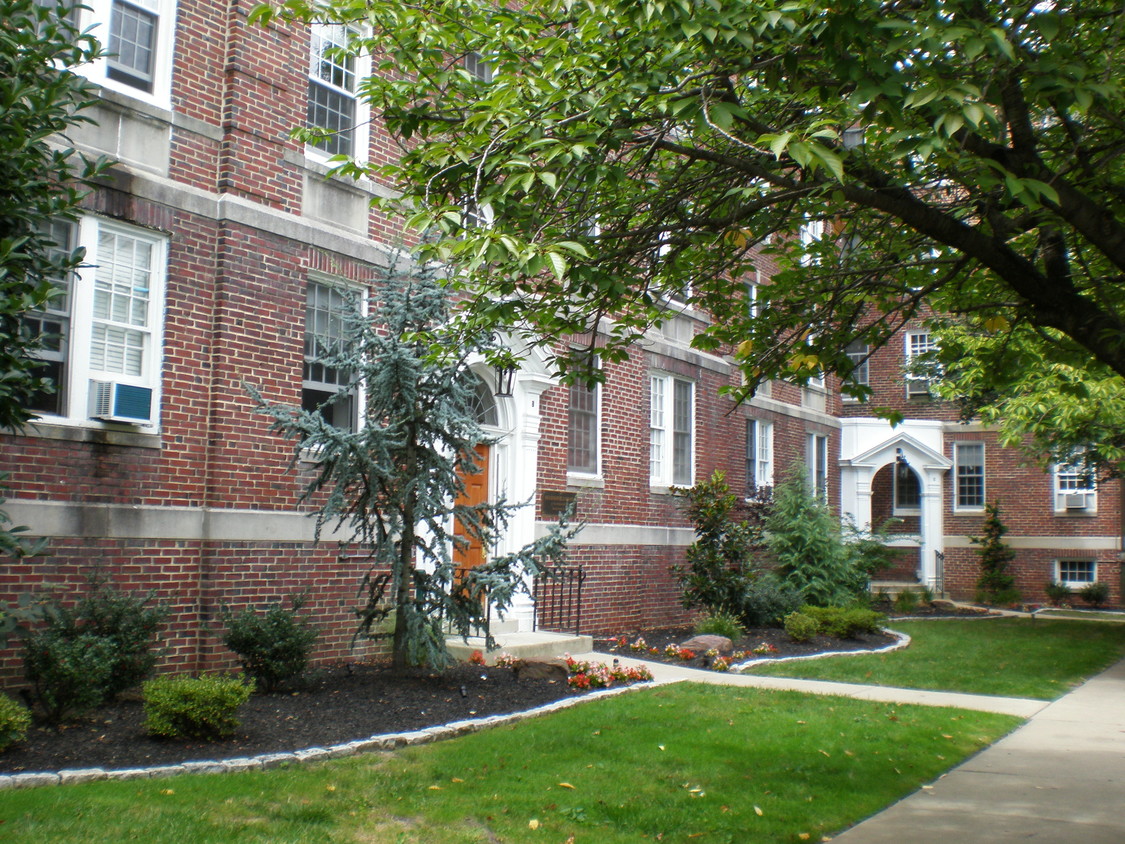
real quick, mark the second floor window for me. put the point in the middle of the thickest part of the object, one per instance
(816, 457)
(921, 368)
(582, 428)
(671, 431)
(759, 455)
(1075, 487)
(857, 352)
(332, 101)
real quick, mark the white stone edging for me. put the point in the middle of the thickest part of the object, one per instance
(387, 741)
(902, 641)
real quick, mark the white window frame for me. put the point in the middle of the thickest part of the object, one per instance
(663, 433)
(810, 232)
(917, 344)
(958, 462)
(1070, 482)
(816, 460)
(759, 454)
(858, 353)
(344, 289)
(98, 18)
(90, 284)
(1092, 565)
(596, 390)
(360, 130)
(753, 305)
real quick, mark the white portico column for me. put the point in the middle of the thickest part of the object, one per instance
(932, 524)
(855, 493)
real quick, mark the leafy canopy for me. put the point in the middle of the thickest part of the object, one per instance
(964, 155)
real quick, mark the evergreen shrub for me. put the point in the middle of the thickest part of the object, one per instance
(70, 672)
(767, 600)
(800, 627)
(14, 722)
(273, 644)
(1095, 594)
(194, 707)
(1057, 592)
(844, 622)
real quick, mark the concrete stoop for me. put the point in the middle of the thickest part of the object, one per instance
(892, 588)
(538, 645)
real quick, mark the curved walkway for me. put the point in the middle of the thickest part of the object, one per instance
(1059, 778)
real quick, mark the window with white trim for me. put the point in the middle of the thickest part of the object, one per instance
(907, 492)
(753, 308)
(478, 67)
(968, 476)
(137, 39)
(582, 428)
(759, 455)
(671, 431)
(1076, 573)
(1075, 488)
(333, 102)
(326, 385)
(858, 352)
(816, 459)
(921, 368)
(102, 335)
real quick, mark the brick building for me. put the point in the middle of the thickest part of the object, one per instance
(217, 248)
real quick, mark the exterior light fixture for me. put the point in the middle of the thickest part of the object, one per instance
(505, 378)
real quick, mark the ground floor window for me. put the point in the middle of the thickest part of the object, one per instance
(1076, 573)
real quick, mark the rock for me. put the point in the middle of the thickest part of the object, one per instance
(536, 669)
(702, 644)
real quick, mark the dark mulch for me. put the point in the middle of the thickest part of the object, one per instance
(337, 705)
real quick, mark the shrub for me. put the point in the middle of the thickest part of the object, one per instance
(69, 672)
(800, 627)
(719, 561)
(1057, 592)
(767, 600)
(273, 645)
(926, 595)
(1095, 593)
(720, 623)
(844, 622)
(806, 541)
(194, 707)
(129, 622)
(906, 601)
(14, 721)
(996, 585)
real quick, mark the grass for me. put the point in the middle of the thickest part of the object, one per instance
(680, 763)
(1011, 657)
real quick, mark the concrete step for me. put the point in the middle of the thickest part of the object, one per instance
(892, 588)
(538, 645)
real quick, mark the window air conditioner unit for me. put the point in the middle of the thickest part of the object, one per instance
(1074, 501)
(918, 387)
(113, 402)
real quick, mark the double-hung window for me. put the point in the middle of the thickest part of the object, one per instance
(671, 431)
(759, 455)
(326, 386)
(921, 368)
(816, 458)
(101, 337)
(968, 476)
(1076, 488)
(858, 352)
(137, 40)
(333, 103)
(582, 428)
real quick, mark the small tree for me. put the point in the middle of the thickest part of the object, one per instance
(720, 561)
(996, 585)
(805, 540)
(395, 482)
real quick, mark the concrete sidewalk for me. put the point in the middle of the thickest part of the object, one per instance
(1059, 778)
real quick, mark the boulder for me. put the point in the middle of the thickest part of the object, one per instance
(538, 669)
(702, 644)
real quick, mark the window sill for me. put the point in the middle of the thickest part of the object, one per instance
(585, 481)
(1088, 513)
(91, 432)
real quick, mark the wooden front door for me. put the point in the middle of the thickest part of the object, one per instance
(476, 492)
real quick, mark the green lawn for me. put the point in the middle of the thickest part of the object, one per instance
(682, 763)
(1012, 657)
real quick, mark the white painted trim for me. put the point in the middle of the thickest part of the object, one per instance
(1051, 543)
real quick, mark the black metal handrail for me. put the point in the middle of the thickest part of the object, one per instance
(939, 573)
(558, 600)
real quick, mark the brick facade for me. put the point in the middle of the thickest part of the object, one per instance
(201, 507)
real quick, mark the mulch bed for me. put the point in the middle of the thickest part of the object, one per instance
(337, 705)
(343, 703)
